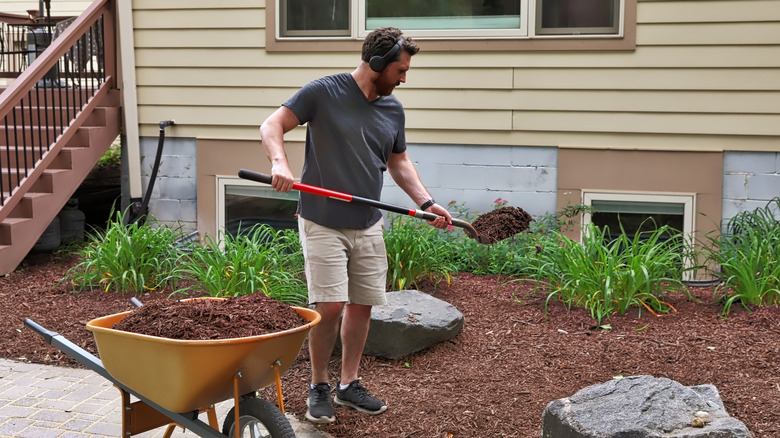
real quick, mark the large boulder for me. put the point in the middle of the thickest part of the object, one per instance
(641, 407)
(410, 322)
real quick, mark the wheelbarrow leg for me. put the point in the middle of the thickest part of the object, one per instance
(138, 417)
(211, 412)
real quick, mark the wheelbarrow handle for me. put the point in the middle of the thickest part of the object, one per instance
(266, 179)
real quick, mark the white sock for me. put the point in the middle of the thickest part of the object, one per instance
(343, 387)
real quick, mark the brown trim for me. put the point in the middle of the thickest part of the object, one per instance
(627, 42)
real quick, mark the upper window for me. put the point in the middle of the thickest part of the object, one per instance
(577, 17)
(353, 19)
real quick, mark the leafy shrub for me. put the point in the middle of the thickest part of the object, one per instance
(112, 156)
(128, 258)
(609, 276)
(261, 260)
(748, 254)
(414, 250)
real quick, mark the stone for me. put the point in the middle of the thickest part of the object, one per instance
(641, 407)
(410, 322)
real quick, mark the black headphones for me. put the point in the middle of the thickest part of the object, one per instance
(379, 63)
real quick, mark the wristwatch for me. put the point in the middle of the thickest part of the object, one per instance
(427, 204)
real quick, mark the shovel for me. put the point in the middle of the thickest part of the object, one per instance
(266, 179)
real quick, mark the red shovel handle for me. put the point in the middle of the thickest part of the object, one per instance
(301, 187)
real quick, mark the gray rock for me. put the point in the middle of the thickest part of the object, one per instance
(410, 322)
(641, 407)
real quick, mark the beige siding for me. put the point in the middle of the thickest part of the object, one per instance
(58, 8)
(705, 75)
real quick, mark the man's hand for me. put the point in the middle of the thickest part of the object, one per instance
(281, 177)
(444, 219)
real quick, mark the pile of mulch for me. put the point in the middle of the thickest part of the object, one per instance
(239, 317)
(501, 223)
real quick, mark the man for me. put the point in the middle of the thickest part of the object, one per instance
(355, 132)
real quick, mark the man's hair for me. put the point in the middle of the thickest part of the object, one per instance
(381, 40)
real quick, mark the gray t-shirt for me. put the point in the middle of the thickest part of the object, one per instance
(348, 142)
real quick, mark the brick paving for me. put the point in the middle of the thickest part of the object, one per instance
(44, 401)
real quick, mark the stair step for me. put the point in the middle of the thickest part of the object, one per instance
(26, 206)
(31, 155)
(36, 136)
(45, 184)
(8, 228)
(52, 115)
(28, 135)
(57, 96)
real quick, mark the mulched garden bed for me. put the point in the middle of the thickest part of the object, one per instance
(492, 380)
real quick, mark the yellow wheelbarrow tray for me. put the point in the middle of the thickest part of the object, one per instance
(185, 376)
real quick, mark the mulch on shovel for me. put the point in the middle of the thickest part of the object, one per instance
(239, 317)
(501, 223)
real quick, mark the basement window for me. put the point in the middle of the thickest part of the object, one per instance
(632, 211)
(243, 204)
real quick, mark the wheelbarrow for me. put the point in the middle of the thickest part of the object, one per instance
(176, 380)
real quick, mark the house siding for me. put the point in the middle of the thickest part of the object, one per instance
(704, 76)
(751, 180)
(57, 8)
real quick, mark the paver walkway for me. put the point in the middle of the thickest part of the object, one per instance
(44, 401)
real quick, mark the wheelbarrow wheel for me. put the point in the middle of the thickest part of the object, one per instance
(259, 419)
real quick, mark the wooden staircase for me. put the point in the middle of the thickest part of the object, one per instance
(52, 136)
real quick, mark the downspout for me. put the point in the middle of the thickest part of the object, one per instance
(129, 97)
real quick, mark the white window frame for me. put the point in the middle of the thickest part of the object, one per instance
(222, 182)
(688, 200)
(528, 8)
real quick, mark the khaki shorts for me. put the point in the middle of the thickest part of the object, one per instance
(344, 265)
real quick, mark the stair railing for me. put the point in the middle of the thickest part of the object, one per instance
(56, 92)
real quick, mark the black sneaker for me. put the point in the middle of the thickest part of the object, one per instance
(356, 396)
(320, 410)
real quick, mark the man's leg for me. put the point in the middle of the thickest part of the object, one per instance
(326, 274)
(322, 339)
(367, 276)
(354, 331)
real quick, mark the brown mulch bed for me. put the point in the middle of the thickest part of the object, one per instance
(492, 380)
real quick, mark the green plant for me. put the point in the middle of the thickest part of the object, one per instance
(128, 258)
(748, 254)
(260, 260)
(415, 249)
(112, 157)
(607, 276)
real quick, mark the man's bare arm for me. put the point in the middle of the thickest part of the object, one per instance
(272, 134)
